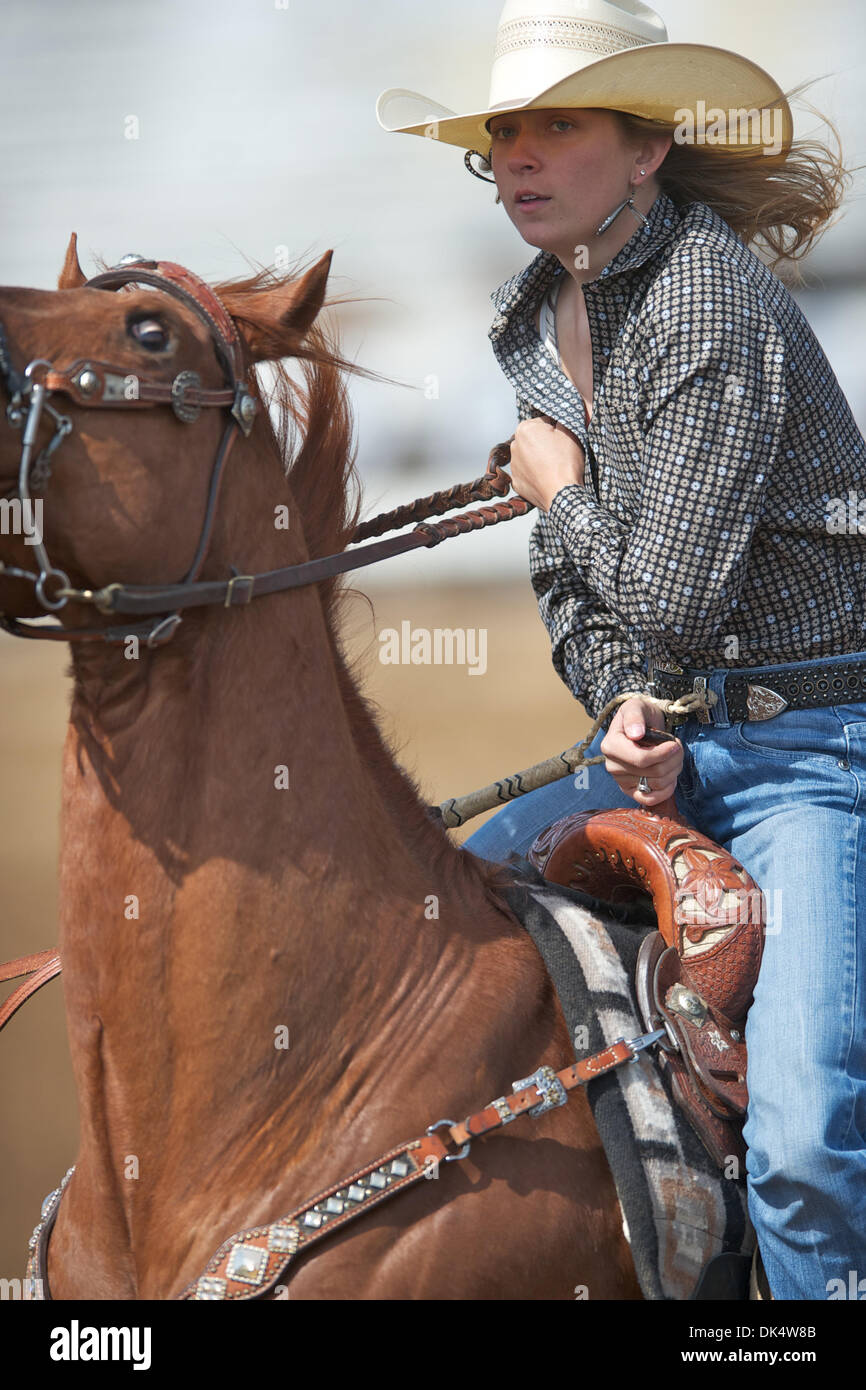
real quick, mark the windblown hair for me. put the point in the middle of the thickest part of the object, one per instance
(780, 202)
(312, 419)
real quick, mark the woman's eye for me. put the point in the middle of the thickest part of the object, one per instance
(561, 120)
(150, 333)
(502, 130)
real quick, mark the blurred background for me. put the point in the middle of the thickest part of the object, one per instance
(256, 142)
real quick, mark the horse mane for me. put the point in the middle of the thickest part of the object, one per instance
(313, 428)
(310, 418)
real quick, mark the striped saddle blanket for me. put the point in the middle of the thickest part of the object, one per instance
(679, 1211)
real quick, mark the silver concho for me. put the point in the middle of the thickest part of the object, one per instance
(184, 409)
(687, 1004)
(762, 703)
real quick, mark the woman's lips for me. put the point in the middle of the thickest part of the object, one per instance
(530, 204)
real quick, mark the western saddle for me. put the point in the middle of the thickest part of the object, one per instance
(697, 972)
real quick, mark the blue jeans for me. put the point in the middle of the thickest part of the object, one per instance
(787, 797)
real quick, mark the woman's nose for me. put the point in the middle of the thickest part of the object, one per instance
(523, 152)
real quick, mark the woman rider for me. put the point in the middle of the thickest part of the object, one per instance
(689, 450)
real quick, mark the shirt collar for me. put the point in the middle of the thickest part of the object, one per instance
(524, 290)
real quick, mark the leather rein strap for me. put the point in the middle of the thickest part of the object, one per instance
(252, 1262)
(42, 966)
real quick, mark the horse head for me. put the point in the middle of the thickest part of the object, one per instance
(120, 407)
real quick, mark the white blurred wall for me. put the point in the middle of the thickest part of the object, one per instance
(257, 132)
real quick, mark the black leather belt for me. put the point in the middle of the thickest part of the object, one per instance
(761, 692)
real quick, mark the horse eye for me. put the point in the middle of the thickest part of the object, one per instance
(150, 333)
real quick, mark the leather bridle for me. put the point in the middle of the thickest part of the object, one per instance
(96, 385)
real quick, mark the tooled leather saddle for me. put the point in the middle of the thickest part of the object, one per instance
(695, 974)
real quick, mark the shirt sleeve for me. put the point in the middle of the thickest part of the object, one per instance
(711, 371)
(590, 650)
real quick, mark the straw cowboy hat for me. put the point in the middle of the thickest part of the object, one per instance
(572, 53)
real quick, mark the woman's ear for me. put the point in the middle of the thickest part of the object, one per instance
(652, 153)
(274, 320)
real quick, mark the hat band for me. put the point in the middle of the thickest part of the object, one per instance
(549, 31)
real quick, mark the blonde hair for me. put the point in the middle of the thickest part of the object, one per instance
(781, 202)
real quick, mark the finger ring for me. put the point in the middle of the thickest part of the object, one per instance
(643, 785)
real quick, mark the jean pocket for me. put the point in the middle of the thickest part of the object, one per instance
(791, 735)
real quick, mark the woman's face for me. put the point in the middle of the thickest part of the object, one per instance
(578, 161)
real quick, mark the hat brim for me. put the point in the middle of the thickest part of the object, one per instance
(658, 81)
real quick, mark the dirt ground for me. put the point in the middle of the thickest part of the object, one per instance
(453, 731)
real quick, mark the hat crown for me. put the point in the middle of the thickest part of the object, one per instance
(540, 42)
(612, 54)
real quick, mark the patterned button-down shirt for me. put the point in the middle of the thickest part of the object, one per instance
(718, 524)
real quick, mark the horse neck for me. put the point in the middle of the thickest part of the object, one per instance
(251, 892)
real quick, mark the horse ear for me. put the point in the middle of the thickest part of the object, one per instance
(72, 277)
(274, 321)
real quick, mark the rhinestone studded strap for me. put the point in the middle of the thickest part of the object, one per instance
(251, 1263)
(36, 1276)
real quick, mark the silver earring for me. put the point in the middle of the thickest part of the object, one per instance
(626, 203)
(467, 160)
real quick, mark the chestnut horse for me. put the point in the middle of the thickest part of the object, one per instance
(241, 854)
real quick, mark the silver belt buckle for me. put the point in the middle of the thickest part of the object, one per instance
(703, 714)
(666, 674)
(764, 703)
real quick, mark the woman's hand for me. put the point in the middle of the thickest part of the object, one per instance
(545, 456)
(626, 764)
